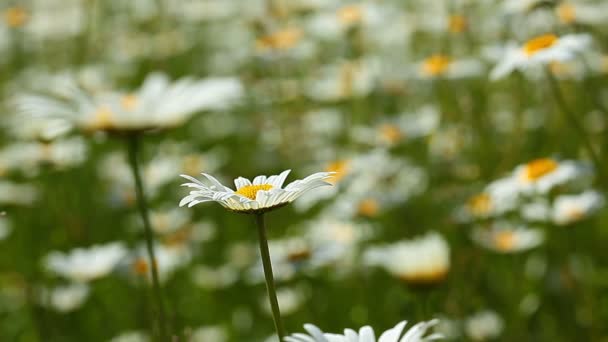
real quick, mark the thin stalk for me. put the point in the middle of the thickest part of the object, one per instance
(573, 120)
(133, 148)
(272, 293)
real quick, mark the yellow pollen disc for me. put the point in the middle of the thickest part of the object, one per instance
(340, 168)
(250, 191)
(505, 241)
(391, 133)
(575, 214)
(140, 267)
(480, 204)
(15, 17)
(426, 277)
(129, 102)
(102, 118)
(538, 168)
(457, 23)
(368, 207)
(280, 40)
(539, 43)
(350, 14)
(566, 13)
(436, 65)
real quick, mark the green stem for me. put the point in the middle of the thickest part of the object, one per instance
(571, 117)
(272, 293)
(133, 147)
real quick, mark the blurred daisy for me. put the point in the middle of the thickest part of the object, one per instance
(65, 298)
(17, 194)
(168, 259)
(570, 12)
(424, 260)
(568, 209)
(86, 264)
(542, 175)
(439, 65)
(15, 17)
(261, 195)
(541, 50)
(366, 334)
(504, 237)
(484, 325)
(158, 104)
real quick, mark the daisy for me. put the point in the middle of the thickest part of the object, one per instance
(424, 260)
(541, 50)
(505, 238)
(366, 334)
(568, 209)
(86, 264)
(261, 195)
(484, 325)
(543, 174)
(158, 104)
(66, 298)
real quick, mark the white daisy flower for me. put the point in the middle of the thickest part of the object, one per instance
(421, 261)
(261, 195)
(366, 334)
(571, 208)
(88, 264)
(540, 50)
(158, 104)
(484, 325)
(66, 298)
(542, 175)
(506, 238)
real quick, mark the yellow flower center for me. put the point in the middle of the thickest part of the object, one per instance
(504, 240)
(436, 65)
(340, 168)
(391, 133)
(426, 277)
(102, 119)
(566, 13)
(15, 16)
(140, 267)
(539, 43)
(538, 168)
(129, 102)
(575, 214)
(457, 23)
(280, 40)
(250, 191)
(368, 207)
(480, 204)
(350, 14)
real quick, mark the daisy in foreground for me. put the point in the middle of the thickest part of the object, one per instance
(256, 197)
(252, 197)
(366, 334)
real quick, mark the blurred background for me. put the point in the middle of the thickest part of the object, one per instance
(475, 199)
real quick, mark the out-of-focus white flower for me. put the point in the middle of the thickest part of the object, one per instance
(568, 209)
(263, 194)
(158, 104)
(505, 237)
(343, 80)
(168, 259)
(209, 334)
(542, 175)
(214, 278)
(571, 12)
(17, 194)
(541, 50)
(423, 260)
(290, 300)
(484, 325)
(65, 298)
(86, 264)
(366, 334)
(445, 66)
(131, 336)
(27, 157)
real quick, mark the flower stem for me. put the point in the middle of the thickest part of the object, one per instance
(573, 120)
(272, 293)
(133, 149)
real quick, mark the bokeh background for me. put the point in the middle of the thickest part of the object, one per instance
(456, 196)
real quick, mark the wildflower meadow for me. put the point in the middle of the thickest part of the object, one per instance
(303, 170)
